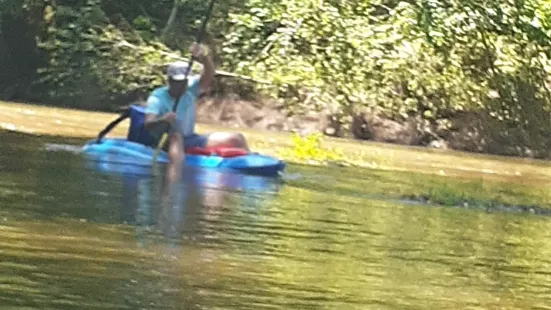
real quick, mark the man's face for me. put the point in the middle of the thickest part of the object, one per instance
(177, 88)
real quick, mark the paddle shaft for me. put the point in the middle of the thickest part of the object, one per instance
(198, 39)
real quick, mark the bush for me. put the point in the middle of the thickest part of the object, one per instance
(430, 59)
(92, 60)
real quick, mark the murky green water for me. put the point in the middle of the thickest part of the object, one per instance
(72, 237)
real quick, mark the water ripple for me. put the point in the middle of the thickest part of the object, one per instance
(74, 238)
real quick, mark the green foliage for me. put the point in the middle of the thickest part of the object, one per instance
(431, 59)
(90, 58)
(427, 58)
(310, 50)
(310, 148)
(504, 48)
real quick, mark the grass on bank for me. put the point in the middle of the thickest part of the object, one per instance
(444, 177)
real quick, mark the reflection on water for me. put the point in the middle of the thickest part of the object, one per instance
(73, 237)
(174, 210)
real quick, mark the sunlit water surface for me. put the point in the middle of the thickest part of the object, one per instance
(73, 237)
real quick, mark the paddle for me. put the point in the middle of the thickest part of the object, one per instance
(188, 70)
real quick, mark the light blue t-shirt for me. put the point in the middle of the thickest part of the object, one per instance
(160, 102)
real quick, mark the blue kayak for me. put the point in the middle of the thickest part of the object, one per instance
(131, 154)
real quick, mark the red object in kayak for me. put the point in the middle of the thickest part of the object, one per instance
(198, 151)
(222, 151)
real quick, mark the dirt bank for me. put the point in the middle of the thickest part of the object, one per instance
(472, 132)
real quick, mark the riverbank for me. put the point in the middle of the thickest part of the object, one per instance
(443, 177)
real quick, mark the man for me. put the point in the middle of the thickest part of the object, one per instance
(185, 91)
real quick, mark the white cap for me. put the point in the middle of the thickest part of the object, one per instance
(177, 71)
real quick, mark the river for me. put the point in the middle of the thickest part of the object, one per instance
(74, 237)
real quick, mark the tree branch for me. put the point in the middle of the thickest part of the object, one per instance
(175, 56)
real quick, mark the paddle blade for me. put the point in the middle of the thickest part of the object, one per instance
(159, 146)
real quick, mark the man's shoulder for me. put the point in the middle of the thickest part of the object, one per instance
(157, 100)
(159, 91)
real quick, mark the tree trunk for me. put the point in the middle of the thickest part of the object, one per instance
(171, 20)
